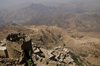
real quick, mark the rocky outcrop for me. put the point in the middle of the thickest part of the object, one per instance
(16, 46)
(22, 53)
(58, 56)
(3, 42)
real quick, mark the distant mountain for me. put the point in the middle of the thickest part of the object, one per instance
(27, 13)
(73, 15)
(83, 21)
(38, 11)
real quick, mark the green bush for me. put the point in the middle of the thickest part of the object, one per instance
(29, 59)
(30, 63)
(81, 36)
(84, 55)
(88, 62)
(18, 35)
(75, 59)
(19, 42)
(59, 36)
(96, 56)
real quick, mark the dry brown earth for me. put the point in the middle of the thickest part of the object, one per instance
(83, 44)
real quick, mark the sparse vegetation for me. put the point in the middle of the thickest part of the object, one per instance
(30, 63)
(79, 22)
(88, 62)
(29, 58)
(77, 36)
(18, 35)
(96, 56)
(19, 42)
(49, 47)
(50, 42)
(75, 59)
(79, 58)
(81, 36)
(84, 55)
(59, 36)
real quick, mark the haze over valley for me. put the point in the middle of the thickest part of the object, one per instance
(72, 24)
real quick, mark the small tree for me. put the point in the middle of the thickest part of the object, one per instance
(59, 36)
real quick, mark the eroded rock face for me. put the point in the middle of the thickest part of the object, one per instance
(16, 43)
(19, 45)
(58, 56)
(3, 42)
(47, 53)
(36, 50)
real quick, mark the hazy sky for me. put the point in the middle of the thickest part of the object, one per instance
(7, 3)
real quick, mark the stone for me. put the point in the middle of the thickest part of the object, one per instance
(33, 57)
(3, 52)
(0, 59)
(3, 43)
(44, 61)
(58, 64)
(40, 59)
(16, 48)
(62, 56)
(8, 62)
(47, 53)
(61, 60)
(57, 47)
(34, 48)
(68, 59)
(62, 64)
(66, 50)
(52, 63)
(74, 64)
(57, 56)
(37, 50)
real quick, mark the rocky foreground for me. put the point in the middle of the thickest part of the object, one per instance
(13, 53)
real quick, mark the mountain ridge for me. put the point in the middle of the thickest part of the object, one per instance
(38, 11)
